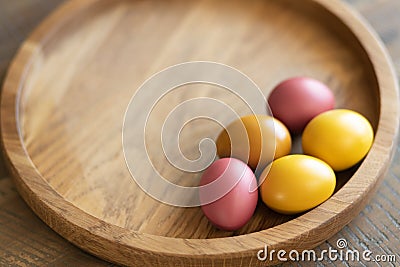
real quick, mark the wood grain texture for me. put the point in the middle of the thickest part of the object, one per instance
(125, 221)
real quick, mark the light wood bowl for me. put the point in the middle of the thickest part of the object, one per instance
(67, 89)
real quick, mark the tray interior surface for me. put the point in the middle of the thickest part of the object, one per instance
(78, 87)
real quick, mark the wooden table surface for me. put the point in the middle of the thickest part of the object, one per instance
(26, 241)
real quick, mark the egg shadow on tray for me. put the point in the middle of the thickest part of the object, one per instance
(343, 177)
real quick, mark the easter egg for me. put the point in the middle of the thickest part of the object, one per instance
(228, 193)
(339, 137)
(297, 100)
(254, 139)
(296, 183)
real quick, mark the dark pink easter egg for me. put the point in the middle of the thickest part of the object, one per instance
(297, 100)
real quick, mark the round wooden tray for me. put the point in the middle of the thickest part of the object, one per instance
(66, 92)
